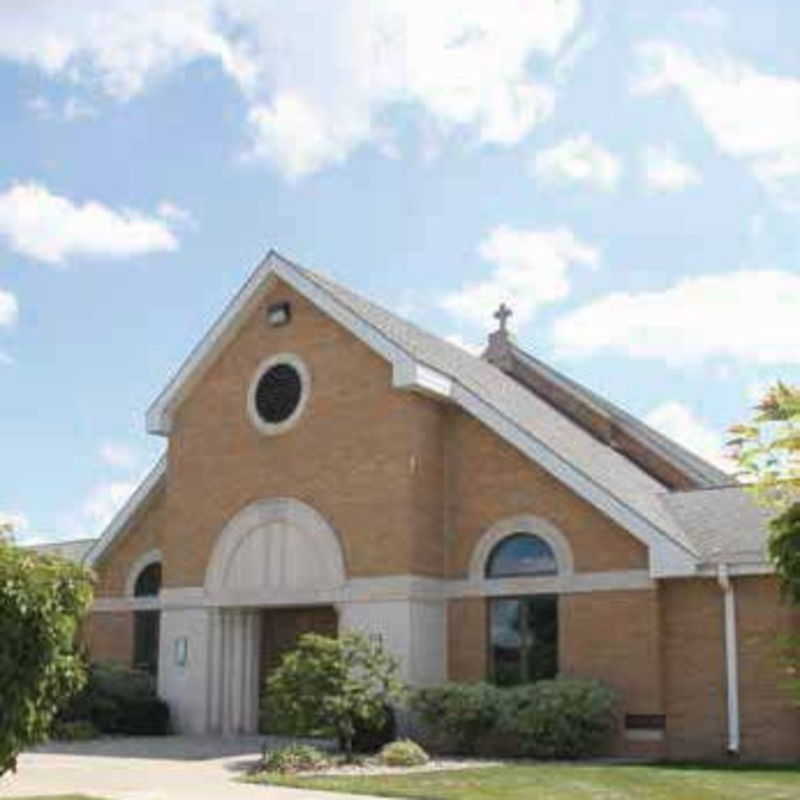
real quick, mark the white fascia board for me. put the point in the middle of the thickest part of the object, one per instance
(665, 553)
(124, 515)
(409, 374)
(734, 569)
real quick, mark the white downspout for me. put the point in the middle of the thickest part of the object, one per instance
(731, 659)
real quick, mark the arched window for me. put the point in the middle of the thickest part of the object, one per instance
(146, 624)
(148, 581)
(519, 555)
(523, 631)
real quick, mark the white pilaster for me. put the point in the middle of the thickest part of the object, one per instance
(414, 631)
(184, 686)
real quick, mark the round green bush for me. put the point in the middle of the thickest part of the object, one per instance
(561, 718)
(456, 715)
(403, 753)
(294, 758)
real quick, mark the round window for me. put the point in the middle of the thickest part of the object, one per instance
(278, 393)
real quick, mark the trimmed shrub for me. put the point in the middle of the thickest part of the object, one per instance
(403, 753)
(118, 699)
(561, 718)
(78, 731)
(456, 715)
(294, 758)
(343, 683)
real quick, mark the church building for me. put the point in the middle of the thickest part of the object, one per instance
(331, 466)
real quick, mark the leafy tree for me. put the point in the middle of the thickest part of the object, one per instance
(42, 600)
(336, 683)
(768, 452)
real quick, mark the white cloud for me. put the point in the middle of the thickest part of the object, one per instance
(530, 270)
(665, 172)
(72, 108)
(103, 502)
(174, 213)
(41, 107)
(9, 308)
(578, 160)
(750, 115)
(574, 52)
(749, 315)
(118, 455)
(706, 15)
(121, 44)
(317, 77)
(75, 108)
(679, 422)
(50, 228)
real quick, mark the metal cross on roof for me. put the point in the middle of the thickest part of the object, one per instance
(502, 314)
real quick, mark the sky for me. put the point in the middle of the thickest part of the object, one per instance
(625, 175)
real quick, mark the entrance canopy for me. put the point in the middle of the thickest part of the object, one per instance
(275, 552)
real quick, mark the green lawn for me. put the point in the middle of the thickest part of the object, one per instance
(573, 782)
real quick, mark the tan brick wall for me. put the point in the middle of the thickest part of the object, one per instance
(367, 457)
(467, 646)
(614, 637)
(109, 636)
(694, 665)
(770, 725)
(489, 479)
(354, 456)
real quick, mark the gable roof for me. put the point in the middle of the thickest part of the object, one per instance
(422, 362)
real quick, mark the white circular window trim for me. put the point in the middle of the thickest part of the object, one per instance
(275, 428)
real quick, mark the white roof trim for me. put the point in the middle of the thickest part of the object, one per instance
(667, 556)
(125, 514)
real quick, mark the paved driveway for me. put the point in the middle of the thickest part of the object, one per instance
(148, 768)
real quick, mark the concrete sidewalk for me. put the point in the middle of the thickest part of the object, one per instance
(149, 768)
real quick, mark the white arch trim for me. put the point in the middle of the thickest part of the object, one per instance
(273, 550)
(143, 561)
(523, 523)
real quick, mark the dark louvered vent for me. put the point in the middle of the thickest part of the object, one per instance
(278, 393)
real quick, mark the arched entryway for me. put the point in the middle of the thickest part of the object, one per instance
(275, 572)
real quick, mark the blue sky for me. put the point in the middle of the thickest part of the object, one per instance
(626, 175)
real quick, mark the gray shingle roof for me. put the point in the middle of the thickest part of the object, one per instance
(724, 523)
